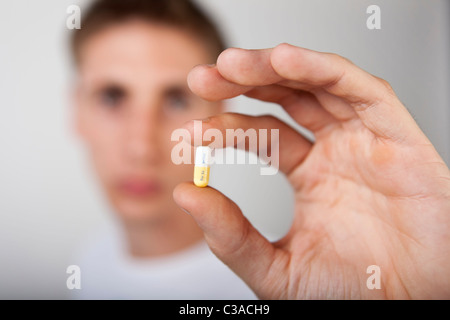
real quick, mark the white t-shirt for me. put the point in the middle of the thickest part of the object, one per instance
(109, 272)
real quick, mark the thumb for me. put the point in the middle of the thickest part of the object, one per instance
(230, 235)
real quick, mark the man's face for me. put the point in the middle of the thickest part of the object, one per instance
(132, 94)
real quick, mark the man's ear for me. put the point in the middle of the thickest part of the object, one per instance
(78, 125)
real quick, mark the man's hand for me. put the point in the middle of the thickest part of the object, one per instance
(371, 190)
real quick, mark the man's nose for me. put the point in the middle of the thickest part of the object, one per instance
(142, 144)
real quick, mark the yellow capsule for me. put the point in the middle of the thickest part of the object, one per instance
(201, 176)
(201, 169)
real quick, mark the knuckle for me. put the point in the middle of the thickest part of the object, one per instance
(231, 54)
(282, 46)
(339, 59)
(387, 86)
(280, 53)
(383, 82)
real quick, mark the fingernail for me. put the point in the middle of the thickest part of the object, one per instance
(212, 65)
(185, 211)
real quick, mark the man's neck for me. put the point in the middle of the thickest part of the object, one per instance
(157, 238)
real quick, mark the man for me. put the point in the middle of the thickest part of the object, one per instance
(371, 192)
(132, 60)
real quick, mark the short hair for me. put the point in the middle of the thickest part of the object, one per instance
(183, 14)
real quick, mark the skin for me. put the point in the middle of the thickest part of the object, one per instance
(371, 189)
(131, 94)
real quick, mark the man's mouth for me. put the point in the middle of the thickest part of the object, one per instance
(139, 187)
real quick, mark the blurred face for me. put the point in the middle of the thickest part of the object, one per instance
(132, 94)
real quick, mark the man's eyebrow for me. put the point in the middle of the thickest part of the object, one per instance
(101, 86)
(177, 89)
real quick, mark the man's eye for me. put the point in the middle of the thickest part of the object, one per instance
(176, 101)
(112, 96)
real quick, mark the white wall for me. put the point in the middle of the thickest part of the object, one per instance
(49, 202)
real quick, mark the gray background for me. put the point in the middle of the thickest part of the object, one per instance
(50, 203)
